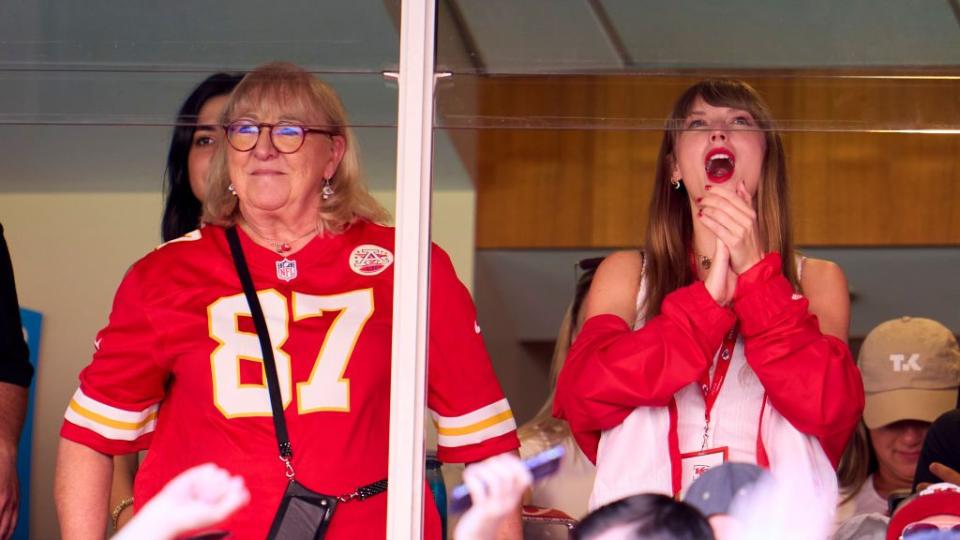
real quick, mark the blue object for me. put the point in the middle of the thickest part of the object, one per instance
(438, 488)
(541, 465)
(31, 321)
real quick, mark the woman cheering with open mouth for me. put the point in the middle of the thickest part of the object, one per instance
(716, 342)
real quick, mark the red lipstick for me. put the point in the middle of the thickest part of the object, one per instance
(719, 164)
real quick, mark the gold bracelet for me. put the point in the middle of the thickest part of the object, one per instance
(115, 515)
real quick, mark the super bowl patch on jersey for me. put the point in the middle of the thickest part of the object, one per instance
(370, 260)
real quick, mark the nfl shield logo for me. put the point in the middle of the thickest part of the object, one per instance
(286, 269)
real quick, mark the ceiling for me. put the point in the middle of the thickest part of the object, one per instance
(641, 35)
(97, 82)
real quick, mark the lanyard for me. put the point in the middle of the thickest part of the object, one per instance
(711, 392)
(711, 388)
(673, 445)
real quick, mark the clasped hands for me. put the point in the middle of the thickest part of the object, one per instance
(729, 215)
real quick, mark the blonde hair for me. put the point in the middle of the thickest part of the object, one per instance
(291, 89)
(670, 228)
(858, 462)
(543, 424)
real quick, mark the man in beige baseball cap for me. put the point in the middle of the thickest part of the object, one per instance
(911, 371)
(911, 375)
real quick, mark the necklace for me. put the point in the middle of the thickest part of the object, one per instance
(282, 246)
(704, 261)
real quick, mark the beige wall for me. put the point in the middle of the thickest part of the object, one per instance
(70, 251)
(453, 228)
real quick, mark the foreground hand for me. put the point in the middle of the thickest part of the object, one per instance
(944, 473)
(196, 498)
(9, 495)
(730, 216)
(496, 485)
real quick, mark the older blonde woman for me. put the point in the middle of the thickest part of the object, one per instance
(179, 368)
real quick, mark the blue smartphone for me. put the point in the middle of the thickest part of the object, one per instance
(543, 464)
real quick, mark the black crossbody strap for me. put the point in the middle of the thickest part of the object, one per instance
(270, 364)
(270, 367)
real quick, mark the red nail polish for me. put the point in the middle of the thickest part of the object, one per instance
(708, 188)
(699, 199)
(700, 212)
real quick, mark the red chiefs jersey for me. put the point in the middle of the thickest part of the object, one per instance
(178, 370)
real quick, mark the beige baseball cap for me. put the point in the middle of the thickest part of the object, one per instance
(911, 371)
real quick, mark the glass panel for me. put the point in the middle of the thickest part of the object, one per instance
(359, 37)
(810, 101)
(556, 110)
(89, 94)
(139, 98)
(617, 64)
(604, 36)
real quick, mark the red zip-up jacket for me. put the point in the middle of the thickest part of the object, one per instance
(809, 377)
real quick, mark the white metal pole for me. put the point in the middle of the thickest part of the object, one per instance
(411, 267)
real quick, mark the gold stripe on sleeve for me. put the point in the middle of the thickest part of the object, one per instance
(477, 426)
(103, 420)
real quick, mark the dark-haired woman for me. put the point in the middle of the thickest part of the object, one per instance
(716, 343)
(195, 137)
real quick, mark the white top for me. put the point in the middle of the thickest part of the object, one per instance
(867, 501)
(634, 456)
(568, 489)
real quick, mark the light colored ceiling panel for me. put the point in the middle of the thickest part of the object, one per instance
(88, 91)
(532, 36)
(356, 35)
(779, 34)
(456, 50)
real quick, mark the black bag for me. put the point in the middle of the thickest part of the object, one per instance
(303, 513)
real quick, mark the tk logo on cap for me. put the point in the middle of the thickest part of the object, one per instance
(902, 363)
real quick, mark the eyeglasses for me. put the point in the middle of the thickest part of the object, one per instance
(286, 138)
(914, 530)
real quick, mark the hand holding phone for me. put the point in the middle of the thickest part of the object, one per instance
(541, 465)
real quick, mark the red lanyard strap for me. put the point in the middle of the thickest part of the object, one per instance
(673, 445)
(711, 388)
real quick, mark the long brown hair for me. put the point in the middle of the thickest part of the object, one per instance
(670, 228)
